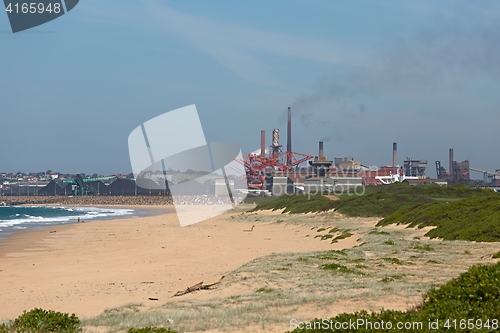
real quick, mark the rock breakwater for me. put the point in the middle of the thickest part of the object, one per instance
(88, 200)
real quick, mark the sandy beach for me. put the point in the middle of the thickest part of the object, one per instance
(88, 267)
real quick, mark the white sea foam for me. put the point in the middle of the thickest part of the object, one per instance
(84, 213)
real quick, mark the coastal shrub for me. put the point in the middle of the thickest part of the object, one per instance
(474, 218)
(383, 201)
(473, 294)
(377, 201)
(43, 321)
(496, 255)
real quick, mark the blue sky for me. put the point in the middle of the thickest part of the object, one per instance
(358, 75)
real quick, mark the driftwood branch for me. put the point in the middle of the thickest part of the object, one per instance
(198, 286)
(250, 230)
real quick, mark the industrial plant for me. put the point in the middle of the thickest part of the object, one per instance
(276, 172)
(271, 172)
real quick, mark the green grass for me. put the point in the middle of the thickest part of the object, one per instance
(392, 278)
(330, 255)
(334, 230)
(358, 260)
(345, 234)
(264, 290)
(446, 199)
(395, 261)
(474, 294)
(150, 330)
(339, 268)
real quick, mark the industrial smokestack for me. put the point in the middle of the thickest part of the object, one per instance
(321, 149)
(451, 162)
(276, 143)
(263, 143)
(289, 133)
(394, 154)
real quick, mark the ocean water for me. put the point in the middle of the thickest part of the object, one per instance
(14, 218)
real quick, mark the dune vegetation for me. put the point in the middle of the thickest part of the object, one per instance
(468, 302)
(457, 212)
(475, 218)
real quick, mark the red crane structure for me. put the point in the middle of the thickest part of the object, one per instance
(256, 166)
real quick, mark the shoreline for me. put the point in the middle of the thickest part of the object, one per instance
(30, 257)
(21, 239)
(88, 267)
(60, 227)
(139, 211)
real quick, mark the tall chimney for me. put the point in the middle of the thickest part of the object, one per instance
(263, 143)
(289, 133)
(394, 154)
(321, 149)
(451, 162)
